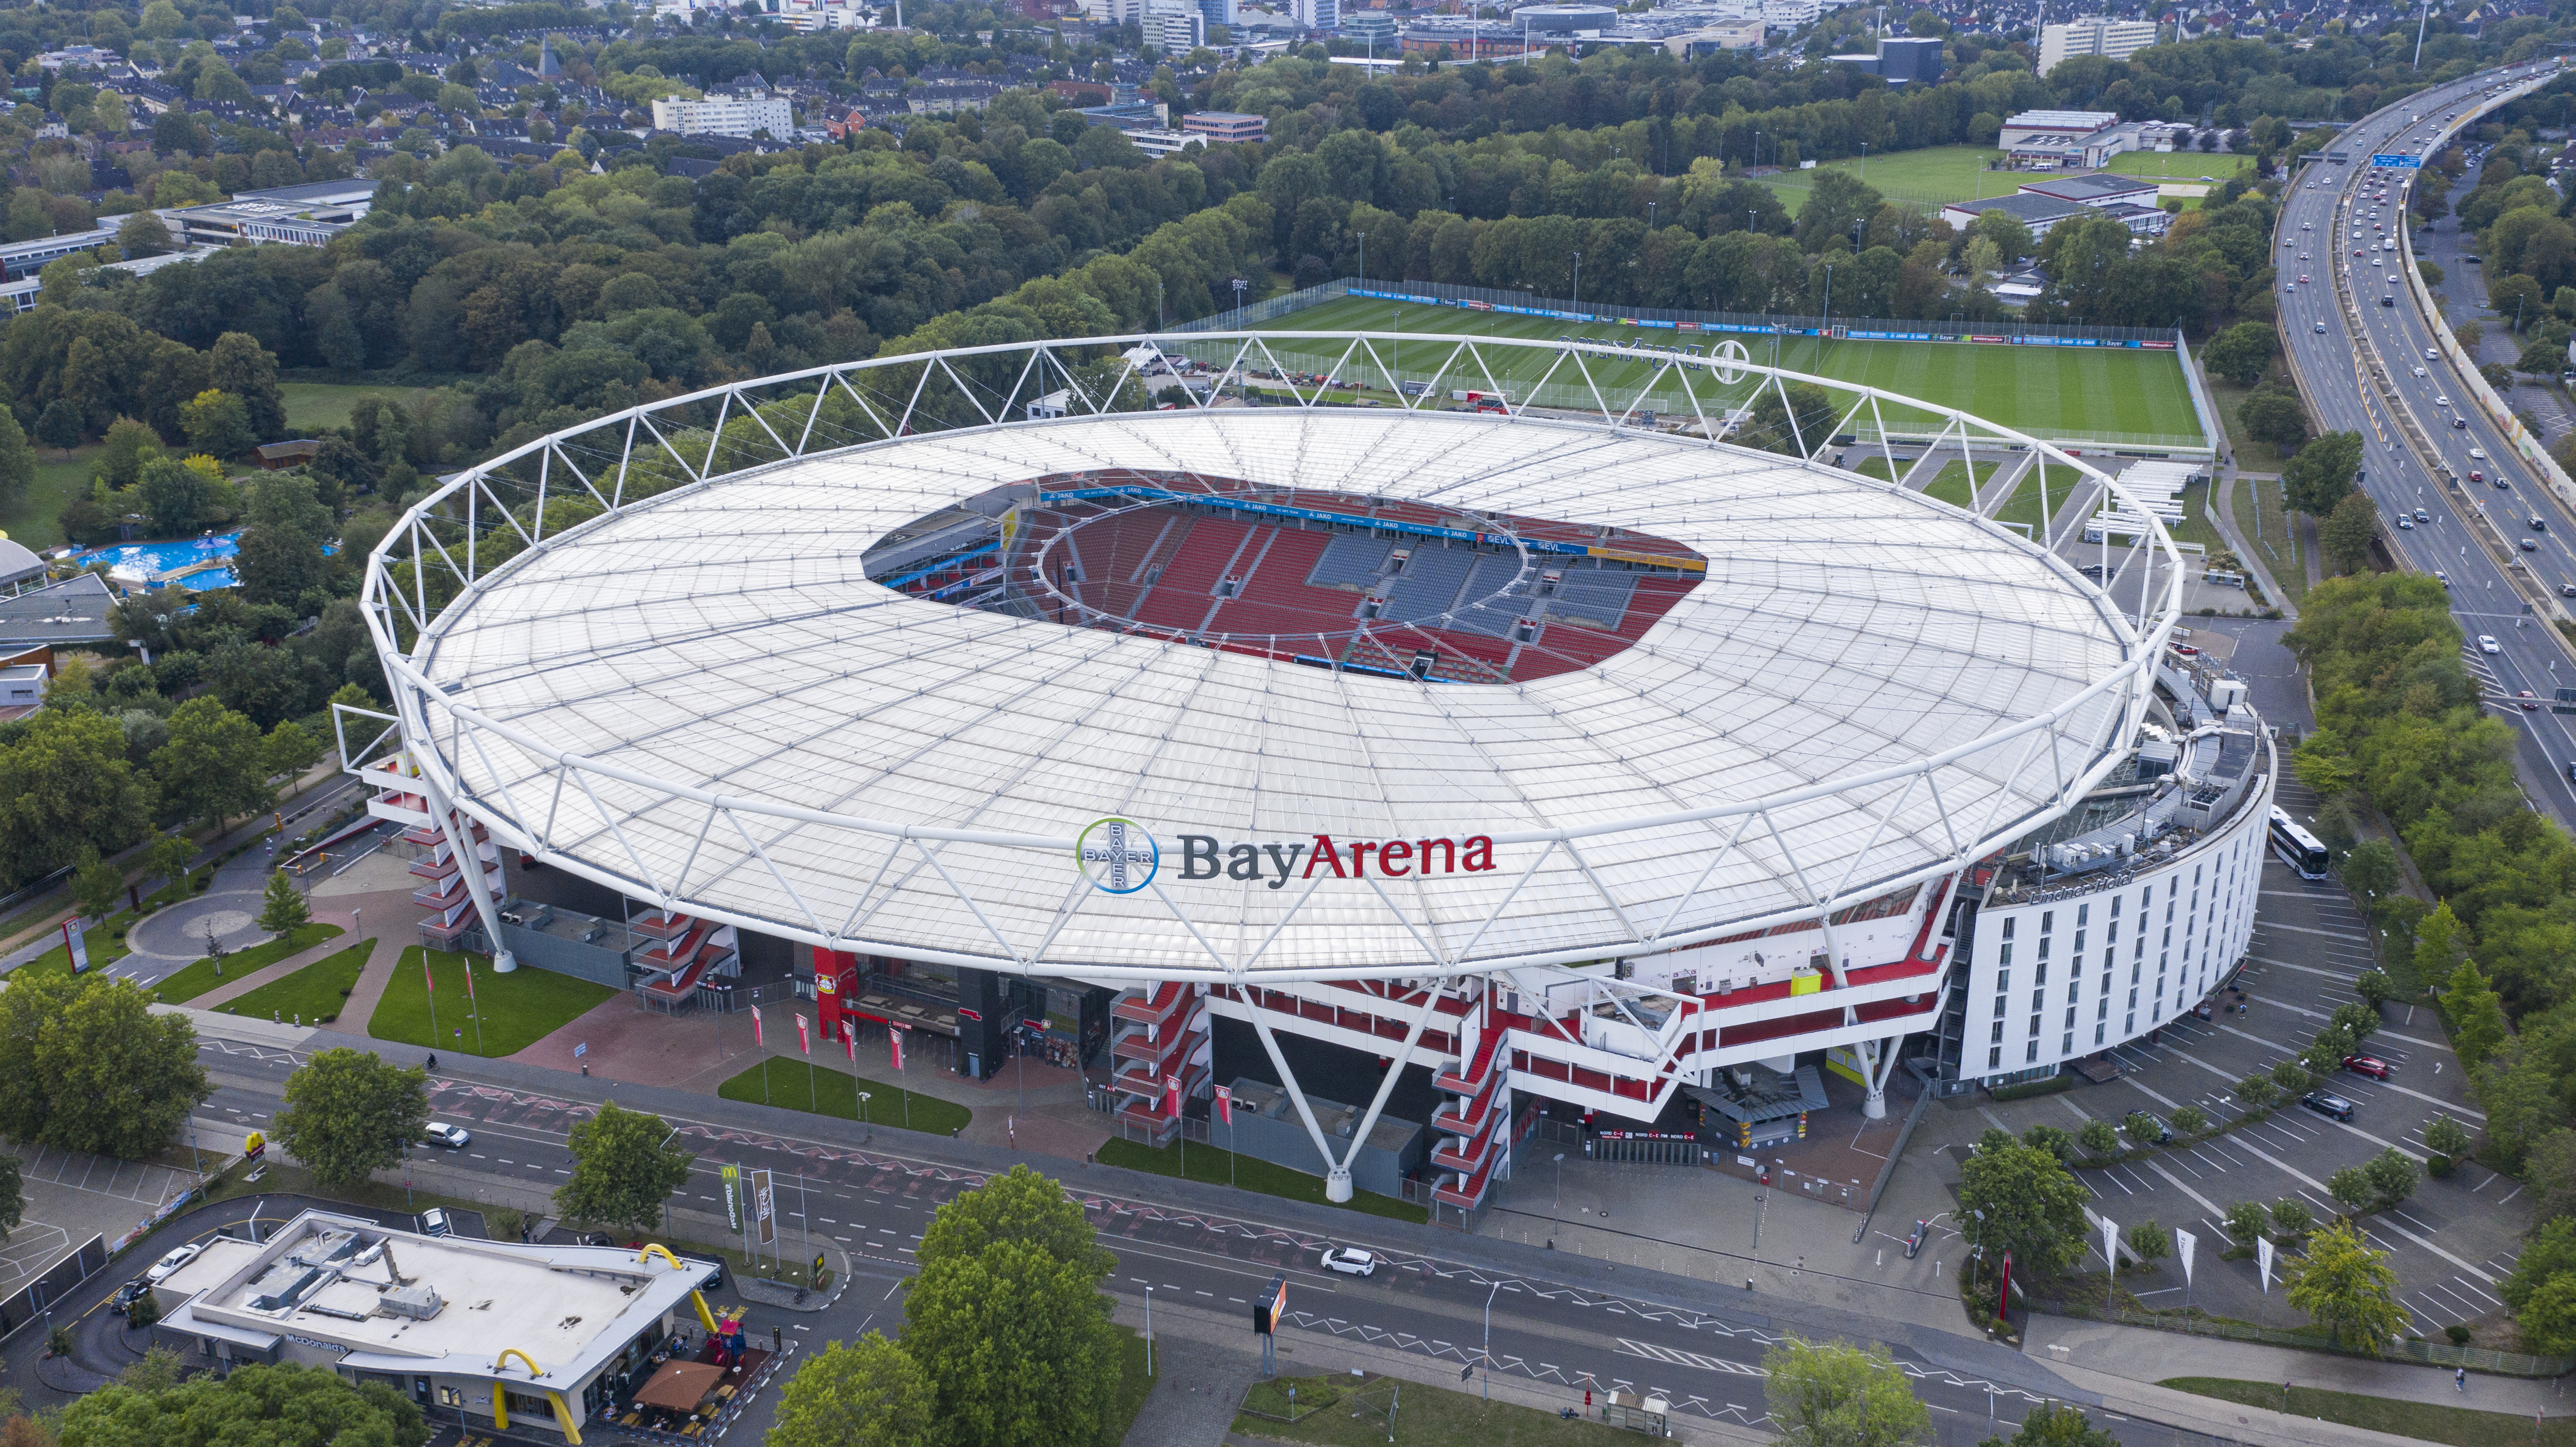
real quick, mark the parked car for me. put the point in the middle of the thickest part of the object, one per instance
(128, 1294)
(177, 1258)
(434, 1222)
(2370, 1065)
(1350, 1261)
(440, 1133)
(2333, 1106)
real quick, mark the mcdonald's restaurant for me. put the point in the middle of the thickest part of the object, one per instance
(487, 1334)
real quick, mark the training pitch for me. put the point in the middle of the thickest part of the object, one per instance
(2112, 396)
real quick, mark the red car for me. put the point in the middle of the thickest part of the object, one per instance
(2476, 476)
(2370, 1065)
(2529, 701)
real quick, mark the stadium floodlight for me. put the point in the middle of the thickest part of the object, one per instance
(650, 650)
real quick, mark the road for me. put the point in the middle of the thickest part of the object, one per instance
(2470, 532)
(1702, 1353)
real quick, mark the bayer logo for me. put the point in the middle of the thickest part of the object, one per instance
(1726, 357)
(1117, 855)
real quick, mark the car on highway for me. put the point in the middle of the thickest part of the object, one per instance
(2440, 400)
(2431, 356)
(2370, 1065)
(2479, 453)
(2487, 643)
(2538, 523)
(2422, 516)
(2407, 523)
(440, 1133)
(2527, 701)
(178, 1257)
(2461, 423)
(2442, 578)
(2307, 226)
(2321, 326)
(1350, 1261)
(2419, 371)
(2303, 256)
(2303, 276)
(2332, 1106)
(2531, 545)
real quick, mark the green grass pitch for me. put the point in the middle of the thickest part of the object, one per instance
(2049, 392)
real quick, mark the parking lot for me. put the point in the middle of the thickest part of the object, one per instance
(2451, 1244)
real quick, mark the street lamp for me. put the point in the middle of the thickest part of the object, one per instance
(1149, 1328)
(1578, 281)
(1560, 1178)
(863, 1107)
(1489, 1340)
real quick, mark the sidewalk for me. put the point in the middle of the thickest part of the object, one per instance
(2140, 1355)
(2222, 515)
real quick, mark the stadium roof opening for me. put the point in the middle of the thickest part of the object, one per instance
(1375, 585)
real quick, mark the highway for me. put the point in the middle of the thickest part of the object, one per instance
(2352, 355)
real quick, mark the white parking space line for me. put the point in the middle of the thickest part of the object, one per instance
(2358, 939)
(2206, 1204)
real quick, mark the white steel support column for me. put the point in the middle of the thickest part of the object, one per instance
(1881, 1060)
(1296, 1095)
(461, 843)
(1337, 1185)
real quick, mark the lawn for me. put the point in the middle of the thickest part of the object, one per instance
(2183, 166)
(29, 519)
(320, 406)
(189, 981)
(312, 995)
(2056, 393)
(1224, 1168)
(2257, 504)
(2224, 399)
(2423, 1421)
(1135, 1383)
(1950, 484)
(1425, 1417)
(2196, 527)
(1928, 176)
(2024, 505)
(528, 1004)
(782, 1082)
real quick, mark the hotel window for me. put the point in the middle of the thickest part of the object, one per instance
(1995, 1058)
(2030, 1053)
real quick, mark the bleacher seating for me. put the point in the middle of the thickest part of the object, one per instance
(1350, 560)
(1429, 585)
(1593, 595)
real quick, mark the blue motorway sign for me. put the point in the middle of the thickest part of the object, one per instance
(2387, 162)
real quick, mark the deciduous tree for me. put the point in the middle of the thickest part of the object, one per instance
(1018, 1205)
(65, 785)
(622, 1172)
(86, 1066)
(2033, 1207)
(2241, 352)
(2346, 1288)
(348, 1114)
(869, 1393)
(1018, 1347)
(216, 763)
(2055, 1424)
(1837, 1395)
(2321, 475)
(277, 1406)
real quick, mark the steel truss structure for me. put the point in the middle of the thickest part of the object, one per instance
(644, 650)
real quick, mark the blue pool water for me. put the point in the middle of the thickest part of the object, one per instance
(162, 557)
(210, 579)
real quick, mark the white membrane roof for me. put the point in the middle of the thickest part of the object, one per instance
(725, 639)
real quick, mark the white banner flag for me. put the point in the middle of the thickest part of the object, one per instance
(2183, 1242)
(2111, 1243)
(2263, 1253)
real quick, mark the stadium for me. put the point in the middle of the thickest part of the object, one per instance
(1541, 753)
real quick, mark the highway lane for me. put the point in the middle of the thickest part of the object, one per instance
(2472, 531)
(1701, 1354)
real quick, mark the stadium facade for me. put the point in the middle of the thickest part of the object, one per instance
(1566, 759)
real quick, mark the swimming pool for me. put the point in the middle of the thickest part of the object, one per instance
(206, 581)
(154, 559)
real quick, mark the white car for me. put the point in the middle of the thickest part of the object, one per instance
(162, 1268)
(2432, 356)
(2487, 644)
(2419, 371)
(2441, 401)
(2407, 523)
(2479, 453)
(1350, 1261)
(440, 1133)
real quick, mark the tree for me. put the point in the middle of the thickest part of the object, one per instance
(868, 1394)
(59, 425)
(2374, 986)
(281, 544)
(2273, 414)
(13, 1195)
(2391, 1176)
(2292, 1077)
(217, 423)
(216, 763)
(2033, 1207)
(2550, 1165)
(2354, 1019)
(1017, 1345)
(2189, 1120)
(2474, 1013)
(1772, 426)
(2099, 1138)
(2151, 1243)
(2291, 1218)
(2141, 1128)
(2055, 1424)
(2446, 1137)
(2257, 1093)
(282, 909)
(1018, 1205)
(348, 1114)
(2241, 352)
(2547, 1316)
(2346, 1288)
(2052, 1140)
(143, 235)
(2371, 867)
(166, 858)
(277, 1406)
(86, 1066)
(17, 459)
(98, 886)
(2245, 1222)
(1834, 1394)
(290, 750)
(2350, 1188)
(65, 785)
(622, 1174)
(2440, 944)
(2321, 475)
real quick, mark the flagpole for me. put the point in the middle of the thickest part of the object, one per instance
(430, 985)
(472, 1006)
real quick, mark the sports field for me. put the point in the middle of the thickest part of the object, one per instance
(2102, 395)
(1927, 177)
(2178, 165)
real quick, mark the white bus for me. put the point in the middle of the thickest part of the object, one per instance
(2298, 848)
